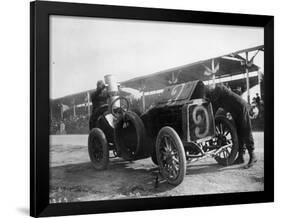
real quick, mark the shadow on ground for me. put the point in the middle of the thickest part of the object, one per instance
(123, 179)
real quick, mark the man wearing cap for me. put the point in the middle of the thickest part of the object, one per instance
(220, 96)
(98, 98)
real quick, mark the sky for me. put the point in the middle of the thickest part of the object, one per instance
(83, 50)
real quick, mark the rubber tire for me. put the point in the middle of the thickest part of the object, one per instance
(179, 146)
(120, 139)
(154, 157)
(231, 158)
(98, 134)
(153, 153)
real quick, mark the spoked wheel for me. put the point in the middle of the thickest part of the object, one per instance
(226, 139)
(170, 155)
(98, 149)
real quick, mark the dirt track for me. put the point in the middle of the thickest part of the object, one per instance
(74, 179)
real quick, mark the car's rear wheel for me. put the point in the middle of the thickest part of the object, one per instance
(153, 153)
(170, 155)
(154, 156)
(226, 136)
(98, 149)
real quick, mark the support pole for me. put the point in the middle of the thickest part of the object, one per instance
(143, 97)
(213, 73)
(88, 102)
(247, 79)
(61, 111)
(74, 109)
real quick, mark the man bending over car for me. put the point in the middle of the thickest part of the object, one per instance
(221, 96)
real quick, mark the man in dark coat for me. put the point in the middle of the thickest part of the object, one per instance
(222, 97)
(98, 98)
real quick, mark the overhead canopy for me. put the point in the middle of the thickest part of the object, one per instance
(78, 98)
(227, 65)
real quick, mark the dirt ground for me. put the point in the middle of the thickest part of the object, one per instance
(74, 179)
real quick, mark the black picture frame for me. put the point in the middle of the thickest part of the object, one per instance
(39, 107)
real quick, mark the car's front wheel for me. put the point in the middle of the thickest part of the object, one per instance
(170, 155)
(98, 149)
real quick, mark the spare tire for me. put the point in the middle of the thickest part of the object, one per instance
(130, 137)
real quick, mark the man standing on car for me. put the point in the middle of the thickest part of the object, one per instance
(98, 98)
(220, 96)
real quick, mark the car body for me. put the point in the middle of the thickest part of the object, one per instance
(179, 128)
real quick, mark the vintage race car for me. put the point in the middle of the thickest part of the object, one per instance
(178, 129)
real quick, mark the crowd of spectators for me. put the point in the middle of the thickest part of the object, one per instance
(70, 125)
(54, 126)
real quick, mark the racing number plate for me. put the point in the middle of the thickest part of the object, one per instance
(198, 121)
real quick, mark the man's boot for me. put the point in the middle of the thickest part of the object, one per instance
(240, 158)
(253, 159)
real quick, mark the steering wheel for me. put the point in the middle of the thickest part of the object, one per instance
(116, 111)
